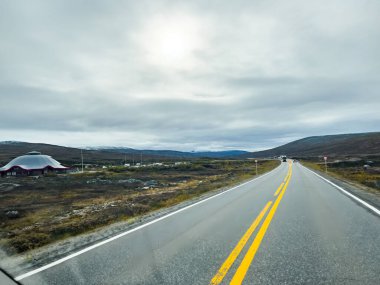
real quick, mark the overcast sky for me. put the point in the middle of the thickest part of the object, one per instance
(187, 75)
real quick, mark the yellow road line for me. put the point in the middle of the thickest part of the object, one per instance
(238, 248)
(287, 175)
(282, 184)
(279, 189)
(248, 258)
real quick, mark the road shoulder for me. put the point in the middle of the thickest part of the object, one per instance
(355, 189)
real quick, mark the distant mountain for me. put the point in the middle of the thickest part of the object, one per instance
(112, 155)
(66, 155)
(174, 153)
(331, 145)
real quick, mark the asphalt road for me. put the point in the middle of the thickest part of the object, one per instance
(309, 233)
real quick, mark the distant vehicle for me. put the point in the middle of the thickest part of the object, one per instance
(284, 158)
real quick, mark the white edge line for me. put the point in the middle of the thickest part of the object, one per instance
(30, 273)
(372, 208)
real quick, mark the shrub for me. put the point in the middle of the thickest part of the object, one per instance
(29, 241)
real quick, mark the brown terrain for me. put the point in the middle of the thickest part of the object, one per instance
(35, 211)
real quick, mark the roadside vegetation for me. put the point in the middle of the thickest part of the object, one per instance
(364, 171)
(37, 211)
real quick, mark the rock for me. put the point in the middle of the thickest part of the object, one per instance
(8, 186)
(150, 183)
(13, 214)
(129, 181)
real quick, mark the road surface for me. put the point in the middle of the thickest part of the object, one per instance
(287, 227)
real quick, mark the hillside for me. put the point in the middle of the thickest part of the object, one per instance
(178, 154)
(111, 155)
(331, 145)
(67, 155)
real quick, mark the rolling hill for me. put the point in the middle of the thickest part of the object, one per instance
(66, 155)
(360, 144)
(174, 153)
(110, 155)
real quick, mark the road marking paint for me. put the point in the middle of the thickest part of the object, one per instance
(372, 208)
(248, 258)
(287, 175)
(61, 260)
(238, 248)
(223, 270)
(279, 189)
(282, 184)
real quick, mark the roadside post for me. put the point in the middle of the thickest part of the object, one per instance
(81, 155)
(325, 158)
(256, 167)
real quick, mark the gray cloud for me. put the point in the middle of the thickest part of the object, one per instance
(195, 75)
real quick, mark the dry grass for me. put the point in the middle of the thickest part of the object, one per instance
(56, 207)
(357, 174)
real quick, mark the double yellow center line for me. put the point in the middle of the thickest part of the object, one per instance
(285, 180)
(249, 256)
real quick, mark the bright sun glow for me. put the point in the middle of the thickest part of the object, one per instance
(171, 41)
(173, 44)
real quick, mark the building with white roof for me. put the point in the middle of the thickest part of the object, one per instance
(33, 163)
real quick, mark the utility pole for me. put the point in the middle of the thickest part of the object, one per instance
(256, 167)
(133, 159)
(325, 158)
(81, 155)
